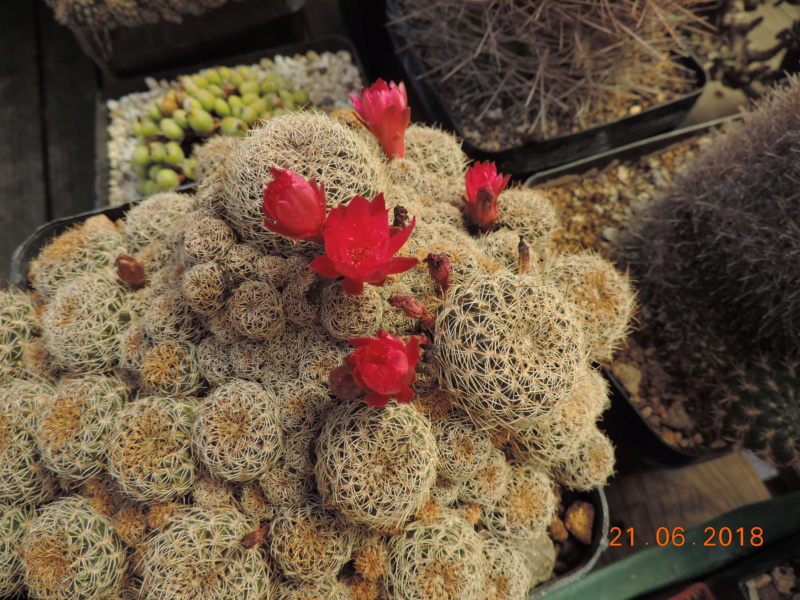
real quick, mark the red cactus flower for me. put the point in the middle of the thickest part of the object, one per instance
(360, 246)
(385, 365)
(383, 110)
(484, 184)
(293, 207)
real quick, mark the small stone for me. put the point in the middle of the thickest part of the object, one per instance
(768, 592)
(647, 411)
(610, 234)
(762, 580)
(579, 520)
(629, 376)
(635, 110)
(558, 530)
(717, 444)
(784, 579)
(654, 420)
(678, 418)
(669, 437)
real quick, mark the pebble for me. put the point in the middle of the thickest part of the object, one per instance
(579, 519)
(629, 376)
(610, 233)
(677, 417)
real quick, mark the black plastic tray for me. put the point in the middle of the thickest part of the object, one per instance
(122, 87)
(639, 444)
(526, 159)
(235, 27)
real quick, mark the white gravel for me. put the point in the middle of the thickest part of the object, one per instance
(328, 78)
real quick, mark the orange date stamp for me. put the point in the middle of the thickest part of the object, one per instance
(664, 536)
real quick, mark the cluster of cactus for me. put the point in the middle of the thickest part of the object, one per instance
(222, 100)
(188, 432)
(109, 14)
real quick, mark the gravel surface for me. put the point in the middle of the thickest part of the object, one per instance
(595, 209)
(327, 77)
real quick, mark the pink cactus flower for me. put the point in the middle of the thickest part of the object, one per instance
(360, 246)
(383, 110)
(483, 184)
(386, 366)
(293, 207)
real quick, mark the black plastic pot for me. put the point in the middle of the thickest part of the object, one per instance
(687, 558)
(121, 87)
(29, 249)
(639, 444)
(233, 28)
(533, 157)
(599, 543)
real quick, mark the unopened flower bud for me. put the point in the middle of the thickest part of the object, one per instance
(254, 538)
(413, 309)
(524, 256)
(400, 217)
(343, 384)
(439, 268)
(483, 184)
(131, 272)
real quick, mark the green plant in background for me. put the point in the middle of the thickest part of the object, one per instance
(222, 100)
(757, 406)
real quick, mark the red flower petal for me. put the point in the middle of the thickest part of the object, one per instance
(325, 267)
(376, 399)
(352, 287)
(401, 264)
(399, 239)
(404, 396)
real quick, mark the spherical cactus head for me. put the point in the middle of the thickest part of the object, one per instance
(71, 551)
(205, 544)
(304, 143)
(442, 558)
(150, 453)
(390, 457)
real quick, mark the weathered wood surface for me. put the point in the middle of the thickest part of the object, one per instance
(683, 497)
(47, 99)
(69, 82)
(22, 173)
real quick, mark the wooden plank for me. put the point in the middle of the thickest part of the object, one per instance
(22, 176)
(684, 497)
(70, 83)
